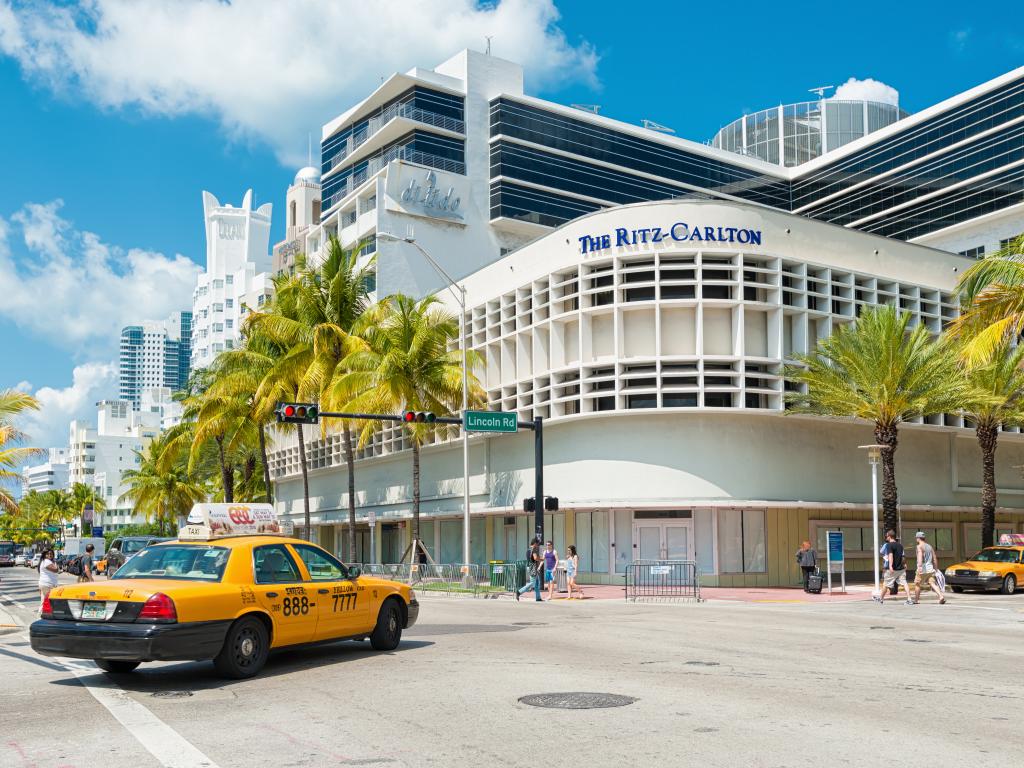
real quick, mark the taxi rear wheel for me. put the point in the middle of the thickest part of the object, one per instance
(388, 632)
(245, 650)
(116, 667)
(1009, 584)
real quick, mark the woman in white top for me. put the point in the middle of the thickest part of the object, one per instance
(47, 576)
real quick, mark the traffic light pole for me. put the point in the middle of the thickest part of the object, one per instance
(538, 476)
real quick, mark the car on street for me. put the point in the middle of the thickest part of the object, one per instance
(122, 549)
(36, 559)
(20, 559)
(225, 590)
(993, 568)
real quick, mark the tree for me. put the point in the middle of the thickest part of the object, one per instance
(12, 455)
(997, 400)
(992, 303)
(82, 494)
(159, 491)
(402, 360)
(881, 370)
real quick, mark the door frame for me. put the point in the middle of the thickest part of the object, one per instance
(662, 524)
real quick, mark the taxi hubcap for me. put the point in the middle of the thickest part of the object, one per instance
(247, 646)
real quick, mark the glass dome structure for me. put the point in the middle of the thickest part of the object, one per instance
(791, 134)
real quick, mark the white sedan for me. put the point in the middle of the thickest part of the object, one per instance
(20, 560)
(36, 558)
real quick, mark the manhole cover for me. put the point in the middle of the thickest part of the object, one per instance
(172, 694)
(576, 700)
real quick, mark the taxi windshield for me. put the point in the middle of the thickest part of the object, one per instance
(131, 546)
(176, 561)
(997, 555)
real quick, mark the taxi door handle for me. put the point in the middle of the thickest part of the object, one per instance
(271, 594)
(323, 591)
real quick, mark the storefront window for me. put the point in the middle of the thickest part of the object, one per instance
(741, 540)
(623, 540)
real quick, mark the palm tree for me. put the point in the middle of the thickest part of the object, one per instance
(992, 302)
(161, 492)
(12, 455)
(402, 361)
(82, 494)
(881, 370)
(998, 400)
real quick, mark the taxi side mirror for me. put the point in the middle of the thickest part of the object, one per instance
(354, 572)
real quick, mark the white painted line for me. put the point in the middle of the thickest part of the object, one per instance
(159, 739)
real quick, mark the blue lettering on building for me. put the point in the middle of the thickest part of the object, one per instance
(680, 232)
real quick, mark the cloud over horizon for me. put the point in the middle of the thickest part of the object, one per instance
(867, 89)
(259, 67)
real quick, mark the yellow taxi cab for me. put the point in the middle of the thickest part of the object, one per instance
(1000, 567)
(231, 588)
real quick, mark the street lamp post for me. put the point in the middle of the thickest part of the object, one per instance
(459, 292)
(874, 456)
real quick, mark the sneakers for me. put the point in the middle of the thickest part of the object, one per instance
(909, 602)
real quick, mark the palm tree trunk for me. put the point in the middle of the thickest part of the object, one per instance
(987, 437)
(266, 466)
(248, 469)
(227, 473)
(305, 480)
(886, 435)
(415, 494)
(350, 465)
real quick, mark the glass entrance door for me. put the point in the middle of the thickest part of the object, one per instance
(663, 539)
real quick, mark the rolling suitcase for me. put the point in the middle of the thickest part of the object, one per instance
(815, 582)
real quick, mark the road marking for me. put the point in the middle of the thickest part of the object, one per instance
(165, 744)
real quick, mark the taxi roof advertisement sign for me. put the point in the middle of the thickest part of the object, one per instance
(210, 521)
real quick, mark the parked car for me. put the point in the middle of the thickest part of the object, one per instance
(999, 568)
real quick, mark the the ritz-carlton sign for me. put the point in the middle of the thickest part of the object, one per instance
(678, 232)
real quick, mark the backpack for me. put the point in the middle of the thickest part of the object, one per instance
(75, 566)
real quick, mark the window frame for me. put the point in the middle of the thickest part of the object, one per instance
(291, 558)
(324, 553)
(718, 539)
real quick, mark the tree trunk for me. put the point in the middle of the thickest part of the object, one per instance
(987, 437)
(350, 465)
(415, 494)
(227, 472)
(266, 467)
(887, 436)
(305, 480)
(248, 469)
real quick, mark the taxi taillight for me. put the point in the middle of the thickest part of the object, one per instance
(47, 610)
(159, 607)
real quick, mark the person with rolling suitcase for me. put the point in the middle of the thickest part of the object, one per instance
(807, 559)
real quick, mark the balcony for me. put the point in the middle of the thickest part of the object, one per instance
(375, 164)
(394, 112)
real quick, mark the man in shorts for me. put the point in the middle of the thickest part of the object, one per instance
(895, 568)
(926, 567)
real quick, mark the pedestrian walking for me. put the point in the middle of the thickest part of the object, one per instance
(550, 566)
(87, 567)
(895, 568)
(807, 559)
(534, 562)
(927, 565)
(572, 567)
(47, 576)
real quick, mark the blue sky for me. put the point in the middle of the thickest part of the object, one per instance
(107, 140)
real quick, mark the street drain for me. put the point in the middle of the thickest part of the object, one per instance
(883, 627)
(576, 700)
(702, 664)
(529, 624)
(914, 640)
(705, 730)
(172, 694)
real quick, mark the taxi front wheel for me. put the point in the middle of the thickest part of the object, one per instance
(388, 632)
(245, 650)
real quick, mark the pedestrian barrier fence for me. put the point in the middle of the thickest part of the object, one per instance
(662, 580)
(447, 579)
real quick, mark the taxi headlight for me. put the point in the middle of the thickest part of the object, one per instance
(987, 574)
(950, 571)
(412, 594)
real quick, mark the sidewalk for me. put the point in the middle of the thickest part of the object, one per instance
(8, 622)
(732, 594)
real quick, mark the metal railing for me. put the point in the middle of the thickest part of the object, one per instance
(395, 153)
(662, 580)
(446, 579)
(374, 124)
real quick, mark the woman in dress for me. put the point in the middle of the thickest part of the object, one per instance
(47, 576)
(572, 567)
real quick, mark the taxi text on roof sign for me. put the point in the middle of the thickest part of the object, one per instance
(210, 521)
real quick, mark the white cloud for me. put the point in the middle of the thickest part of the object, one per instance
(959, 38)
(23, 386)
(867, 90)
(77, 291)
(48, 427)
(271, 70)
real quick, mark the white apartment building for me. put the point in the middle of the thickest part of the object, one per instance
(154, 355)
(302, 209)
(236, 279)
(99, 453)
(48, 476)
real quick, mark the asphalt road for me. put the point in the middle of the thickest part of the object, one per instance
(726, 684)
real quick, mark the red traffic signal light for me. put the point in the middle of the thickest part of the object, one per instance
(419, 417)
(289, 410)
(409, 417)
(298, 413)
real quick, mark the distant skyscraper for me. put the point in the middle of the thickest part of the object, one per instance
(235, 280)
(155, 355)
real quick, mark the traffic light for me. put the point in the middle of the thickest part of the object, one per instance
(529, 505)
(298, 413)
(419, 417)
(551, 503)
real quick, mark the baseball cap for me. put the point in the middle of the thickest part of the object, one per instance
(920, 535)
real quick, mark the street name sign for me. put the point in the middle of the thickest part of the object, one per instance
(491, 421)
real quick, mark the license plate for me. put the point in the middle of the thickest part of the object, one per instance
(94, 610)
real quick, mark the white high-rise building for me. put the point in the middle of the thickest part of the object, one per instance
(49, 475)
(99, 455)
(302, 207)
(154, 354)
(236, 279)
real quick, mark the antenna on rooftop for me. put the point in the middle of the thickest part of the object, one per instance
(820, 90)
(488, 38)
(650, 125)
(595, 108)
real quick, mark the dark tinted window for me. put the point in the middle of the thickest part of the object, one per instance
(273, 564)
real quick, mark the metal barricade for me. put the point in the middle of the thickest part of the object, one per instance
(662, 580)
(441, 579)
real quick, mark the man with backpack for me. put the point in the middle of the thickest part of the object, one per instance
(895, 568)
(85, 570)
